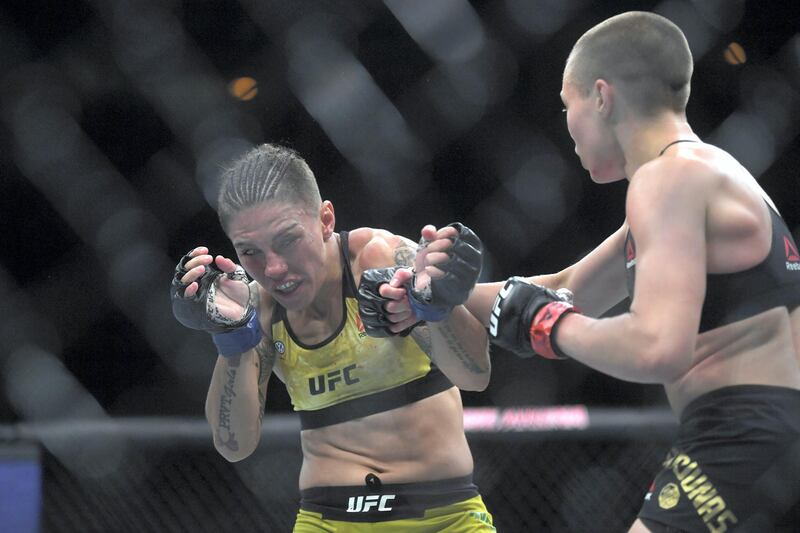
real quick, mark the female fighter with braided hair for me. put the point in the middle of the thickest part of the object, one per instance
(713, 274)
(382, 423)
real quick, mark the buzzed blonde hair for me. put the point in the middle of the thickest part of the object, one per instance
(644, 54)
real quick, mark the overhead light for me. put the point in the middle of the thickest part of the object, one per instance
(244, 88)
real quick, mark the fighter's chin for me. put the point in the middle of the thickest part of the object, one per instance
(605, 174)
(601, 178)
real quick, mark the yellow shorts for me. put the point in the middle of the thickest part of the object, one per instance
(452, 505)
(467, 516)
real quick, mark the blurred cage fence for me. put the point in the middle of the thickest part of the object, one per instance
(115, 119)
(549, 469)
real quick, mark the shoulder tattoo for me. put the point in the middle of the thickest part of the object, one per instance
(404, 255)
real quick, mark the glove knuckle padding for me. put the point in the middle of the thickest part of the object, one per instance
(514, 310)
(370, 302)
(200, 310)
(461, 270)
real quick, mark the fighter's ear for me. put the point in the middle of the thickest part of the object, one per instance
(327, 218)
(604, 95)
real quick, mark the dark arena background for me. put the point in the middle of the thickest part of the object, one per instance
(115, 119)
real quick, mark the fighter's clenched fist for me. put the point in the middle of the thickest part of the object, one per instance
(213, 295)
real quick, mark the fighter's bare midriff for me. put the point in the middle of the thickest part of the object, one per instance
(759, 350)
(422, 441)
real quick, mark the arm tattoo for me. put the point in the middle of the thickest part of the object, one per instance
(264, 349)
(265, 362)
(404, 255)
(422, 335)
(266, 359)
(227, 437)
(457, 348)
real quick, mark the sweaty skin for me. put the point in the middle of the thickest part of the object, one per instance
(295, 259)
(657, 341)
(692, 211)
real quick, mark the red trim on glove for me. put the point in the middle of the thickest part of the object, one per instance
(542, 328)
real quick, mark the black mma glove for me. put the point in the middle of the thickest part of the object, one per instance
(370, 303)
(461, 271)
(200, 311)
(524, 318)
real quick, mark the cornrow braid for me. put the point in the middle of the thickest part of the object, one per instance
(268, 172)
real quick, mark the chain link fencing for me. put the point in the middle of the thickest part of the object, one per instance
(559, 469)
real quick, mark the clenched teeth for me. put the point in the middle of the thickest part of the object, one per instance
(289, 285)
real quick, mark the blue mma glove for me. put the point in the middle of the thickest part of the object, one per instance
(461, 272)
(371, 303)
(232, 336)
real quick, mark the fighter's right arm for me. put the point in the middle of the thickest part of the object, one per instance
(212, 294)
(236, 397)
(597, 281)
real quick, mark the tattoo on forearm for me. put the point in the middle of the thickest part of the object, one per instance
(266, 359)
(265, 362)
(404, 255)
(227, 437)
(422, 336)
(262, 401)
(455, 347)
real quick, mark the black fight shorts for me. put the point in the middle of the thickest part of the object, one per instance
(735, 465)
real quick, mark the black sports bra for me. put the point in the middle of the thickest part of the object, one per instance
(774, 282)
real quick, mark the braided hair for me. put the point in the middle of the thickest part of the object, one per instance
(266, 173)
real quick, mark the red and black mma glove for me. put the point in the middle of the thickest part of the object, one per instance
(200, 311)
(461, 271)
(371, 304)
(525, 317)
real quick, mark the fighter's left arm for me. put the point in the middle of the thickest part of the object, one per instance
(454, 339)
(654, 342)
(459, 346)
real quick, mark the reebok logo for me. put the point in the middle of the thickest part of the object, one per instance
(650, 491)
(792, 257)
(791, 250)
(630, 253)
(363, 504)
(362, 332)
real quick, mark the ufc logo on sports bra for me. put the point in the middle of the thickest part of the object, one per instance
(327, 382)
(363, 504)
